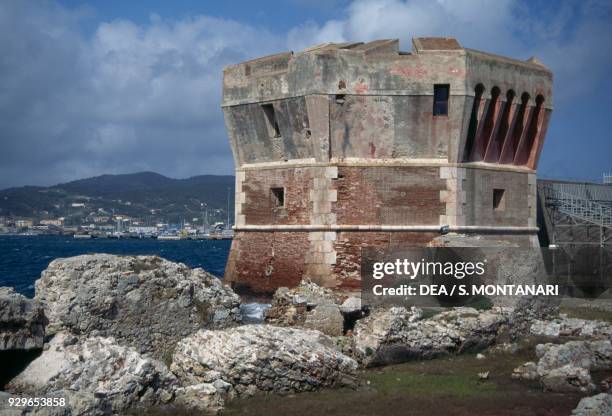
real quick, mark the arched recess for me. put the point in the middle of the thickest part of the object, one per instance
(474, 118)
(484, 135)
(527, 146)
(512, 142)
(499, 134)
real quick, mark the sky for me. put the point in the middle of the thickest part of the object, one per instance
(89, 88)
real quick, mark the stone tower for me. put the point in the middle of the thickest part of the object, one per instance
(352, 145)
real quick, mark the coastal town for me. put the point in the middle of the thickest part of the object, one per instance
(103, 224)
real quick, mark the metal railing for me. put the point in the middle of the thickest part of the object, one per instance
(578, 207)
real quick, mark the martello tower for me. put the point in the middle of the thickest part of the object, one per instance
(345, 146)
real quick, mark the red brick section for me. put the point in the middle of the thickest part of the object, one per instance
(347, 269)
(389, 196)
(263, 261)
(260, 207)
(260, 262)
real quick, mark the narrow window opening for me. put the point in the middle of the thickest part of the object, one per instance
(278, 196)
(473, 126)
(272, 123)
(440, 104)
(499, 200)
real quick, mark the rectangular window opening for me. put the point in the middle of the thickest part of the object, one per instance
(278, 195)
(499, 200)
(271, 121)
(440, 103)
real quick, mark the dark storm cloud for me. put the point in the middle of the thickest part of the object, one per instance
(128, 98)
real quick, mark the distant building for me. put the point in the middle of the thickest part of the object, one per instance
(25, 223)
(353, 145)
(58, 222)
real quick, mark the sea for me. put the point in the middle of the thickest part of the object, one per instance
(23, 258)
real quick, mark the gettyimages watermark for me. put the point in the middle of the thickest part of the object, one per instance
(464, 276)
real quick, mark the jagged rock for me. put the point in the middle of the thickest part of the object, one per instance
(207, 397)
(309, 306)
(143, 301)
(22, 321)
(598, 405)
(566, 367)
(325, 318)
(591, 355)
(262, 358)
(351, 305)
(396, 334)
(567, 379)
(96, 376)
(573, 327)
(528, 309)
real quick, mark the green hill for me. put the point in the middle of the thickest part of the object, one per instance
(146, 195)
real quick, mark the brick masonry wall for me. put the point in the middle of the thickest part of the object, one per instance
(260, 262)
(389, 195)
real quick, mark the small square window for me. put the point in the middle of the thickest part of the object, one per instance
(271, 121)
(278, 196)
(499, 200)
(440, 103)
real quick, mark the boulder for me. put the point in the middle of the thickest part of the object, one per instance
(396, 334)
(95, 376)
(572, 327)
(308, 306)
(598, 405)
(142, 301)
(22, 321)
(591, 355)
(206, 397)
(566, 367)
(266, 358)
(567, 379)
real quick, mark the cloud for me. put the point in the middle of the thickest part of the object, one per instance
(129, 97)
(568, 37)
(571, 38)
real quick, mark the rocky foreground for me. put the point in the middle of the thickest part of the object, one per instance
(121, 334)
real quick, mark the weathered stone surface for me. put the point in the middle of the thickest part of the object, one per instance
(396, 334)
(566, 367)
(143, 301)
(262, 358)
(572, 327)
(22, 321)
(567, 379)
(598, 405)
(96, 376)
(592, 355)
(207, 397)
(309, 306)
(325, 318)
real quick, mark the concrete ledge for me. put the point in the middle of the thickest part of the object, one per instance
(405, 228)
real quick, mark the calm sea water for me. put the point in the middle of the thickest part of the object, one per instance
(23, 258)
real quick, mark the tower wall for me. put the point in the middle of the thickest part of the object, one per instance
(338, 148)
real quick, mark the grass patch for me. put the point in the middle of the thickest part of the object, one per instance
(443, 385)
(586, 313)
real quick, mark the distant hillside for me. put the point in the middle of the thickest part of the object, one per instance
(134, 195)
